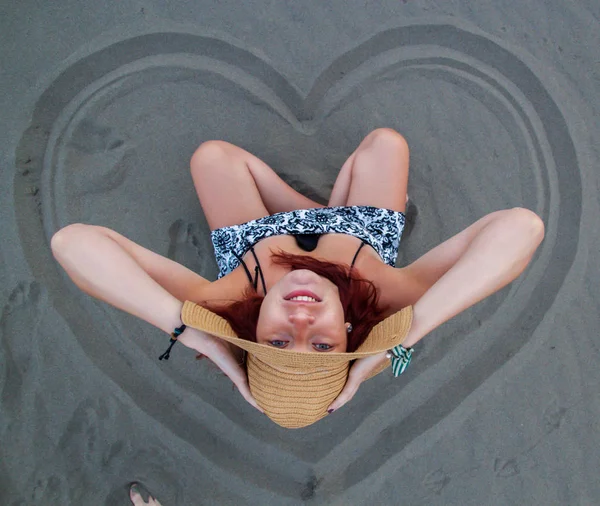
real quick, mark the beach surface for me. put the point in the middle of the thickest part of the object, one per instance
(103, 105)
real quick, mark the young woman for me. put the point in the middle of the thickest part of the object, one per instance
(297, 275)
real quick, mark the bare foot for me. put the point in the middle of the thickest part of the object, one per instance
(138, 500)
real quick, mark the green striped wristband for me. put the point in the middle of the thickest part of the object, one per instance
(400, 357)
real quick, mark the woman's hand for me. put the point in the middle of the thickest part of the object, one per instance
(224, 356)
(359, 372)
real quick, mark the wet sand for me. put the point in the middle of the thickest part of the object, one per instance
(102, 107)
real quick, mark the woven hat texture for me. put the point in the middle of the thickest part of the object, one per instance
(294, 388)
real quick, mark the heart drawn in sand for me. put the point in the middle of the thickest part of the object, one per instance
(110, 143)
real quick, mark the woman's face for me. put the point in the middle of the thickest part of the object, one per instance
(302, 312)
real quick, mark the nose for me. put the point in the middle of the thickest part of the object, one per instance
(301, 319)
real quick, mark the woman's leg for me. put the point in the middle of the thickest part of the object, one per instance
(376, 174)
(235, 186)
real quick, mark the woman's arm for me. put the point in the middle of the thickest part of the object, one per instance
(472, 265)
(115, 270)
(178, 280)
(457, 274)
(110, 267)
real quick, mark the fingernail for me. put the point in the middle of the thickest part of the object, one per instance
(134, 489)
(330, 411)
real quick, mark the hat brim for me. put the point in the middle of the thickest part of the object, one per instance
(384, 336)
(295, 389)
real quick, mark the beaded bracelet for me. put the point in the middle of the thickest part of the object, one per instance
(174, 335)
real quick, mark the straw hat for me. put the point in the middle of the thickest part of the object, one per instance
(294, 388)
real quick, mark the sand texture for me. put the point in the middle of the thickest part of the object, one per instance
(103, 103)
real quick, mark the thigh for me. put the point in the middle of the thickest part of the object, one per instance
(235, 186)
(225, 187)
(376, 174)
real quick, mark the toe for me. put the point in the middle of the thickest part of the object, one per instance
(135, 496)
(138, 500)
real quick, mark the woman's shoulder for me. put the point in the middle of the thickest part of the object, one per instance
(226, 289)
(397, 288)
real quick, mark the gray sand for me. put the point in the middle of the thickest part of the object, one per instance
(102, 106)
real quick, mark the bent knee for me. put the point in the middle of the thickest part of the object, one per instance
(71, 235)
(209, 153)
(386, 138)
(529, 221)
(523, 222)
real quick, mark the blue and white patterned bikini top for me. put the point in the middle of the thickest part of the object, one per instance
(380, 228)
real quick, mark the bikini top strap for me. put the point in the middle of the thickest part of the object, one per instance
(257, 271)
(356, 254)
(245, 267)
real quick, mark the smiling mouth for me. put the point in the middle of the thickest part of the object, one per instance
(302, 296)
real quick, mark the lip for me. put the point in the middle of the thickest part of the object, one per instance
(298, 293)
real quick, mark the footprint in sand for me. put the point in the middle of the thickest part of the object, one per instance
(191, 247)
(104, 152)
(506, 468)
(90, 441)
(92, 138)
(50, 490)
(553, 417)
(19, 326)
(436, 480)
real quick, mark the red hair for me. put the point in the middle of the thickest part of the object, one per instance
(358, 296)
